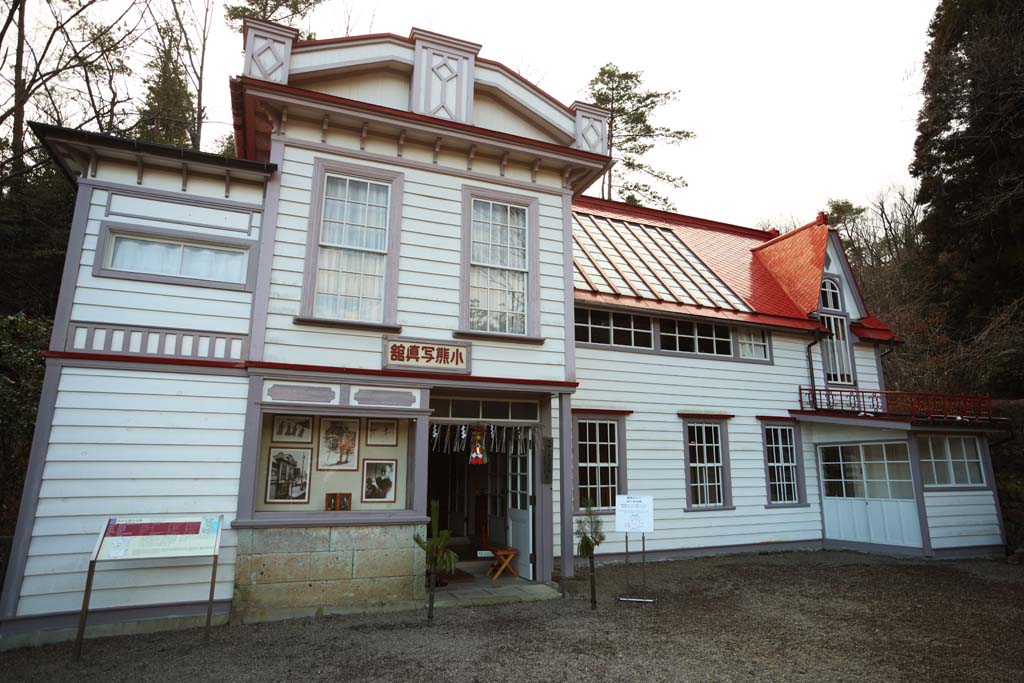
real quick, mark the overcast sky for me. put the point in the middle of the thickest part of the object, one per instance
(793, 102)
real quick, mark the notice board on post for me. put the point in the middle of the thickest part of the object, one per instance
(133, 538)
(138, 538)
(634, 514)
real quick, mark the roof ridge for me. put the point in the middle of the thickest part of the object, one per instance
(631, 210)
(783, 236)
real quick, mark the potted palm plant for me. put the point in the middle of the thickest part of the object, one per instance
(440, 558)
(590, 531)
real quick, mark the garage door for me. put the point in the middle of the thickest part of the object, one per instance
(868, 494)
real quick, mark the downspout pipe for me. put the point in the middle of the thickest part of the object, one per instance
(810, 368)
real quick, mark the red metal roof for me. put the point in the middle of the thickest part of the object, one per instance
(653, 261)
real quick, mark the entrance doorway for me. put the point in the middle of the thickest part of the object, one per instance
(487, 501)
(868, 494)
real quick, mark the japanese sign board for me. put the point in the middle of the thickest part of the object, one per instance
(425, 354)
(134, 538)
(634, 514)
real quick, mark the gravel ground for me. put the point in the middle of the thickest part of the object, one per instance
(814, 616)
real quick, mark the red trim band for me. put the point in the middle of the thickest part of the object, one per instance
(705, 416)
(600, 411)
(197, 362)
(774, 418)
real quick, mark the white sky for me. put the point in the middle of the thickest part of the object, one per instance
(793, 102)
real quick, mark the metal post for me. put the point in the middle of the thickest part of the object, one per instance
(85, 609)
(629, 583)
(643, 561)
(209, 605)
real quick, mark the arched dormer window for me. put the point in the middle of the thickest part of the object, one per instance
(836, 348)
(830, 299)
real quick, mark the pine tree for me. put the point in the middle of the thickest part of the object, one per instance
(631, 134)
(168, 112)
(276, 11)
(969, 157)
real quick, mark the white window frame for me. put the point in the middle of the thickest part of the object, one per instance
(612, 328)
(863, 480)
(696, 336)
(618, 421)
(532, 330)
(110, 231)
(750, 338)
(701, 426)
(796, 467)
(930, 463)
(389, 289)
(837, 346)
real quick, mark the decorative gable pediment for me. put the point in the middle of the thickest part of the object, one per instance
(268, 50)
(442, 76)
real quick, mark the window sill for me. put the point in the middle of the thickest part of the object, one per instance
(498, 336)
(784, 506)
(710, 508)
(952, 488)
(275, 520)
(347, 324)
(597, 511)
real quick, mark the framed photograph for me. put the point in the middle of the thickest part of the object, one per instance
(381, 432)
(288, 475)
(338, 502)
(293, 429)
(380, 481)
(339, 444)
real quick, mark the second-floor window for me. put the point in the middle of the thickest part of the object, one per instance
(619, 329)
(352, 254)
(175, 258)
(836, 349)
(498, 268)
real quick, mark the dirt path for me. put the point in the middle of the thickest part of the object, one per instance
(796, 616)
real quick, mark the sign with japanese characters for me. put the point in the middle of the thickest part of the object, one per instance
(425, 354)
(136, 538)
(634, 514)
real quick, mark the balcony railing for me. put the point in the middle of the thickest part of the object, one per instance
(905, 404)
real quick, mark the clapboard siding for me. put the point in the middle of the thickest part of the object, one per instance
(958, 519)
(154, 304)
(133, 443)
(428, 277)
(656, 387)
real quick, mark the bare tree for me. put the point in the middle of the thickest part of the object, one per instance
(194, 27)
(69, 67)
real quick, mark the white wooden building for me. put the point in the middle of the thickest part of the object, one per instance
(309, 340)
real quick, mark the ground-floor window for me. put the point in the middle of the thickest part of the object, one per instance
(870, 470)
(333, 463)
(782, 465)
(599, 460)
(707, 483)
(950, 461)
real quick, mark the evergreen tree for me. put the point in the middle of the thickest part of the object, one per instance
(277, 11)
(969, 157)
(168, 112)
(631, 134)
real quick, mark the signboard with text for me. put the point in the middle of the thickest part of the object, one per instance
(426, 354)
(135, 538)
(634, 514)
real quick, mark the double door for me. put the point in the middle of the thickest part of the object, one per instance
(868, 494)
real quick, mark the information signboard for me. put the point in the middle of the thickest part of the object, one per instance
(634, 514)
(134, 538)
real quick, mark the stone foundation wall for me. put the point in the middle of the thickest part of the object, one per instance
(293, 572)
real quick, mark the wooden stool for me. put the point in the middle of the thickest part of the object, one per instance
(502, 561)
